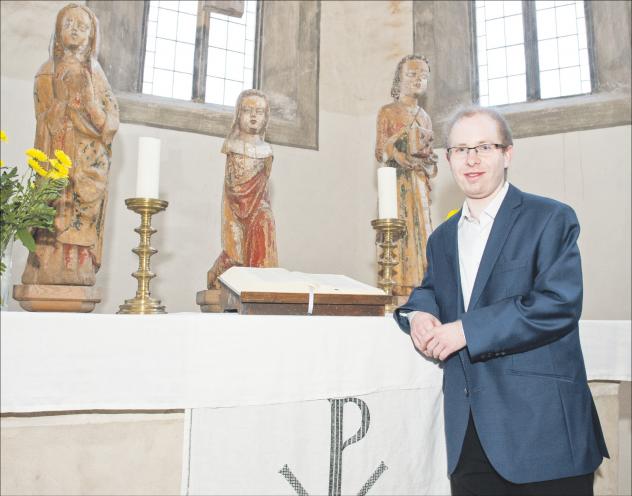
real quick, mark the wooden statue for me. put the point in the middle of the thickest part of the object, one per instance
(76, 112)
(404, 141)
(248, 232)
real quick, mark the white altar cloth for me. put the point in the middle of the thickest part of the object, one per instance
(385, 443)
(53, 362)
(606, 345)
(57, 362)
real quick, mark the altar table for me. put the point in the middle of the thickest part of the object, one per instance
(274, 404)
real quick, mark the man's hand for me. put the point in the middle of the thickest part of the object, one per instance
(441, 341)
(421, 324)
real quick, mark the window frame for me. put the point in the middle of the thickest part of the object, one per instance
(293, 97)
(198, 91)
(454, 71)
(200, 56)
(531, 55)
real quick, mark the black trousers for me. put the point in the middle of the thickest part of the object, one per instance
(475, 476)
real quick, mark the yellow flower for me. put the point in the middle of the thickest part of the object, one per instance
(63, 158)
(3, 137)
(57, 175)
(1, 163)
(37, 154)
(37, 167)
(61, 169)
(451, 213)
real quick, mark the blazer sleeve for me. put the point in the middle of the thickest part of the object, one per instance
(422, 298)
(546, 313)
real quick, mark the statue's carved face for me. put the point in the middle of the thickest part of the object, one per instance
(414, 78)
(252, 114)
(76, 28)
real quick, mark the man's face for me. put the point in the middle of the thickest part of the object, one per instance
(414, 78)
(252, 114)
(479, 175)
(75, 29)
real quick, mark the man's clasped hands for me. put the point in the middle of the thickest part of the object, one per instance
(434, 339)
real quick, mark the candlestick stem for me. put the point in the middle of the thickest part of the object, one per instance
(389, 232)
(143, 303)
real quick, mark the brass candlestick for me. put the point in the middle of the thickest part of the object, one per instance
(389, 231)
(143, 303)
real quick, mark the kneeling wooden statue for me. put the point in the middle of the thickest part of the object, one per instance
(248, 230)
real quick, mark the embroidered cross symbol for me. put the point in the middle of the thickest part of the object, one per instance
(337, 447)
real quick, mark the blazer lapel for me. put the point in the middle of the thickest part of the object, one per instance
(503, 223)
(451, 250)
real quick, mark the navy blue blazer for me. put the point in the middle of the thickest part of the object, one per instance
(522, 373)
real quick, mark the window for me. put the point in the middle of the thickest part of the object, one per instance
(438, 34)
(224, 48)
(562, 48)
(285, 67)
(231, 56)
(531, 50)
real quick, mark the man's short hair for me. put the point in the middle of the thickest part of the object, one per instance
(472, 110)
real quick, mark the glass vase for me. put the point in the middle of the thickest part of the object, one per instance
(5, 280)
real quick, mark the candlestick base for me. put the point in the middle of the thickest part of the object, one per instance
(142, 306)
(389, 232)
(143, 303)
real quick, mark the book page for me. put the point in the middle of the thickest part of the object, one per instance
(337, 283)
(278, 280)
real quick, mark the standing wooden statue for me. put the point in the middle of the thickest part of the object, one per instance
(404, 141)
(248, 231)
(76, 112)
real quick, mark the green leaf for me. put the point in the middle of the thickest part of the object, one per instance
(26, 237)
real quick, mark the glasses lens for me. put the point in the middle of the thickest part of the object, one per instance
(461, 152)
(458, 152)
(485, 148)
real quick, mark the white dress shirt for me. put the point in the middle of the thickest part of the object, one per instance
(473, 235)
(472, 238)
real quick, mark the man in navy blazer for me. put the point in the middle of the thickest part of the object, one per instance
(499, 308)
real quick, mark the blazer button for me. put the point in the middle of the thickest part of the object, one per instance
(467, 393)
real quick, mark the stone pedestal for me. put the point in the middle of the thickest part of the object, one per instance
(56, 297)
(209, 301)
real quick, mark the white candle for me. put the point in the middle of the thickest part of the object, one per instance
(148, 173)
(387, 192)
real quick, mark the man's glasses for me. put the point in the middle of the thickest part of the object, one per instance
(484, 149)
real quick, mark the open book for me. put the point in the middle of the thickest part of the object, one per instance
(277, 280)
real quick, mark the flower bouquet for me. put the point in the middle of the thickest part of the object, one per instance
(25, 202)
